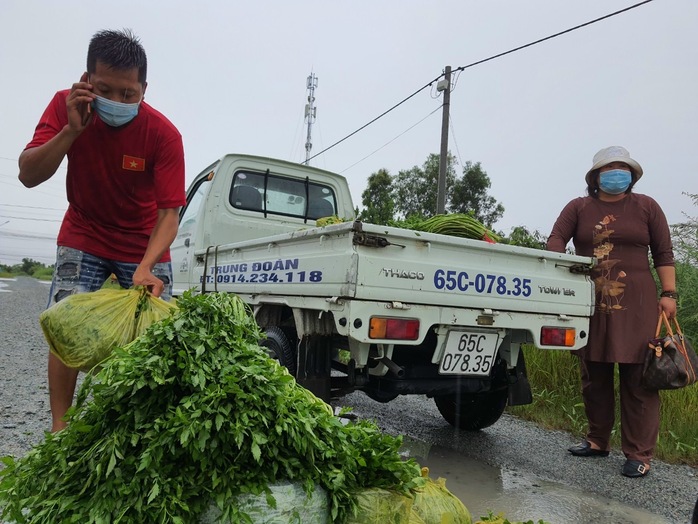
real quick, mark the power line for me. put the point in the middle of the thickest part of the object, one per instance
(34, 219)
(62, 210)
(393, 140)
(453, 134)
(552, 36)
(22, 235)
(499, 55)
(377, 118)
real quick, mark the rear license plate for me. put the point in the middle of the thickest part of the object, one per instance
(469, 353)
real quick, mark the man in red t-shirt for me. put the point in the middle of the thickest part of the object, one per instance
(125, 184)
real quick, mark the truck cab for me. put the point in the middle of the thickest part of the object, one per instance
(243, 197)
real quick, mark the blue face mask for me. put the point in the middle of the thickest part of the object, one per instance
(114, 114)
(615, 181)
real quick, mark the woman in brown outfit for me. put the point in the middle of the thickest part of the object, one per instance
(618, 227)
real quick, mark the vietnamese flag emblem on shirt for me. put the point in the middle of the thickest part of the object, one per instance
(133, 163)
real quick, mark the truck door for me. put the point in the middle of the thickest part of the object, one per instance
(190, 219)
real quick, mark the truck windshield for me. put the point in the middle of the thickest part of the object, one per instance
(280, 195)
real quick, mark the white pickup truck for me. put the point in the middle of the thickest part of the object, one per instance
(389, 311)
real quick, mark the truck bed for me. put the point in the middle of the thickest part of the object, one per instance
(360, 261)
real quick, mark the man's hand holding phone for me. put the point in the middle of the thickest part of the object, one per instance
(79, 104)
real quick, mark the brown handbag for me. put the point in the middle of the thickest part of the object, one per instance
(671, 362)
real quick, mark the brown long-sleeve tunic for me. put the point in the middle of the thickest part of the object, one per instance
(620, 235)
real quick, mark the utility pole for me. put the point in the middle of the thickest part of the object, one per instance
(445, 86)
(310, 113)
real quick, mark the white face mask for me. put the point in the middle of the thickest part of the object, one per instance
(114, 114)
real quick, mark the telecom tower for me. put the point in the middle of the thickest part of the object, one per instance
(310, 113)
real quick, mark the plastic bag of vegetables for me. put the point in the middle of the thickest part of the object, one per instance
(383, 506)
(435, 504)
(292, 505)
(83, 329)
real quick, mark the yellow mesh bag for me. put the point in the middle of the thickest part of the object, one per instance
(83, 329)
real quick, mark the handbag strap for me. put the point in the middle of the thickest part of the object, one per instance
(676, 325)
(681, 343)
(665, 322)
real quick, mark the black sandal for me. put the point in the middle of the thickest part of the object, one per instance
(635, 468)
(584, 449)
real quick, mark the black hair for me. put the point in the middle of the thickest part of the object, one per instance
(593, 188)
(119, 50)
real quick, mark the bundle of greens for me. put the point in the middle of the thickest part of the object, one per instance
(454, 224)
(191, 413)
(328, 221)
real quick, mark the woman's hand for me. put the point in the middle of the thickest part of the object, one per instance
(668, 305)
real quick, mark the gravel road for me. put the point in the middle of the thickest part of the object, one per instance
(669, 490)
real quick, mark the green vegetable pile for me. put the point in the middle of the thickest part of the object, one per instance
(191, 413)
(454, 224)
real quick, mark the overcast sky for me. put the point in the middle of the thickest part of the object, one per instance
(232, 77)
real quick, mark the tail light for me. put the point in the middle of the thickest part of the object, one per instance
(554, 336)
(393, 328)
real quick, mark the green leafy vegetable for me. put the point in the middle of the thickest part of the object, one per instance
(191, 413)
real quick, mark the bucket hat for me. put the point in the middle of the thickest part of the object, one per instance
(611, 154)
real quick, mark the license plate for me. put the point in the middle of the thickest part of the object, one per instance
(469, 353)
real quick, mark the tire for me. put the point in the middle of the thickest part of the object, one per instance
(472, 411)
(280, 349)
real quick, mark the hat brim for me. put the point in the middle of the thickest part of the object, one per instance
(634, 167)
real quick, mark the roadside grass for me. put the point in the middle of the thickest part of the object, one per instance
(45, 273)
(557, 404)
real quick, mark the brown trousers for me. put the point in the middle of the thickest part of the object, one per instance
(639, 408)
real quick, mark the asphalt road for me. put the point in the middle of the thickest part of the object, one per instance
(511, 444)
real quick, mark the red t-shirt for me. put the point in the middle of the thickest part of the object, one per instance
(117, 180)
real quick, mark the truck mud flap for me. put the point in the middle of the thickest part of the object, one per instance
(519, 387)
(314, 366)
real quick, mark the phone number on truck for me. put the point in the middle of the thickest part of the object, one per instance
(451, 280)
(263, 278)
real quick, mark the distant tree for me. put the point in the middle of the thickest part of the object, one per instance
(415, 190)
(521, 236)
(377, 199)
(28, 266)
(469, 195)
(685, 240)
(685, 236)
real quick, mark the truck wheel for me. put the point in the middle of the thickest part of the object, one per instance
(472, 411)
(279, 348)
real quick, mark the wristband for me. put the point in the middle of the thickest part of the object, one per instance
(669, 294)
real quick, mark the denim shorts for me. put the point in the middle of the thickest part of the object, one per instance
(80, 272)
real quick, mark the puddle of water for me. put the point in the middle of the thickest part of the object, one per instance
(518, 496)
